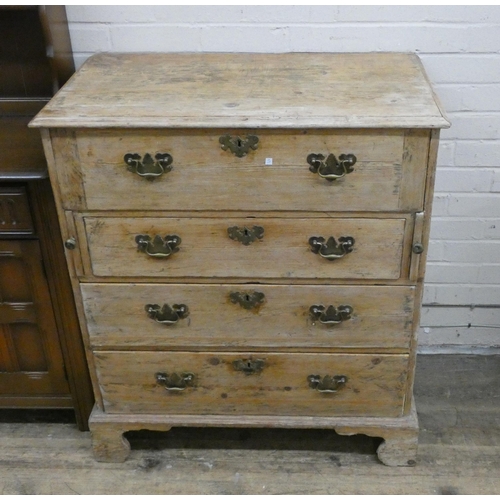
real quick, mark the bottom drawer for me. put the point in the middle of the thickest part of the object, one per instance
(252, 384)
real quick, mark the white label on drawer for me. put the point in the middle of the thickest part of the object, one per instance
(269, 161)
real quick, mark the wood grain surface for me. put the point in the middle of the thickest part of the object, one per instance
(275, 176)
(375, 384)
(246, 90)
(116, 317)
(207, 251)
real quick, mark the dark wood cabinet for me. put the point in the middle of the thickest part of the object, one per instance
(42, 359)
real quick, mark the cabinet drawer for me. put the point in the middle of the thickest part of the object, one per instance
(275, 176)
(282, 248)
(248, 316)
(15, 216)
(252, 384)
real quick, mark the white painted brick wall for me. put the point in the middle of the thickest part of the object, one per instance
(460, 49)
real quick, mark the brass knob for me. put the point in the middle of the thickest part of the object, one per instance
(418, 248)
(70, 243)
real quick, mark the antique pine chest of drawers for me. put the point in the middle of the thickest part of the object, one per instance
(246, 235)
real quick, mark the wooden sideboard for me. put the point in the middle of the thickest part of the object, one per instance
(42, 361)
(246, 236)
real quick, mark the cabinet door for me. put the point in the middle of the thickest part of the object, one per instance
(31, 362)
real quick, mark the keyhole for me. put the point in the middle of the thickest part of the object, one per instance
(247, 298)
(245, 231)
(239, 142)
(249, 365)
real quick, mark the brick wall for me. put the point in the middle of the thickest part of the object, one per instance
(460, 49)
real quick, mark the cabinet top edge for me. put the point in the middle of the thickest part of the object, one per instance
(246, 90)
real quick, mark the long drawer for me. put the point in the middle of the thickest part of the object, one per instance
(252, 384)
(189, 170)
(235, 316)
(367, 248)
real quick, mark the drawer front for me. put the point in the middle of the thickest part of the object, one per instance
(258, 316)
(275, 176)
(15, 216)
(282, 249)
(252, 384)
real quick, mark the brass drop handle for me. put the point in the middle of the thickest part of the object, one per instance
(157, 246)
(331, 168)
(331, 249)
(175, 381)
(167, 315)
(239, 146)
(147, 167)
(327, 383)
(330, 315)
(249, 366)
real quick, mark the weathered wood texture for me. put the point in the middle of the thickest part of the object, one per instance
(459, 450)
(378, 107)
(283, 252)
(375, 384)
(117, 317)
(247, 90)
(204, 177)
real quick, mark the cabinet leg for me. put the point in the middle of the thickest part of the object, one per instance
(399, 450)
(400, 435)
(109, 443)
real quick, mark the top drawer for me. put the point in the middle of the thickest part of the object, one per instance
(202, 173)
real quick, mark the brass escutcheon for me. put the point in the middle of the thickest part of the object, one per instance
(245, 235)
(249, 366)
(238, 146)
(330, 168)
(247, 300)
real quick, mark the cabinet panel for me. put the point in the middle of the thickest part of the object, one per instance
(30, 359)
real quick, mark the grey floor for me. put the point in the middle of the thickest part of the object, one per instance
(458, 402)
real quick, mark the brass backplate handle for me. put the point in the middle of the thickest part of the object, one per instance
(249, 366)
(245, 235)
(175, 381)
(239, 146)
(157, 246)
(165, 314)
(330, 315)
(331, 168)
(147, 167)
(327, 383)
(331, 249)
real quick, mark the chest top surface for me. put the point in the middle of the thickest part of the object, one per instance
(316, 90)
